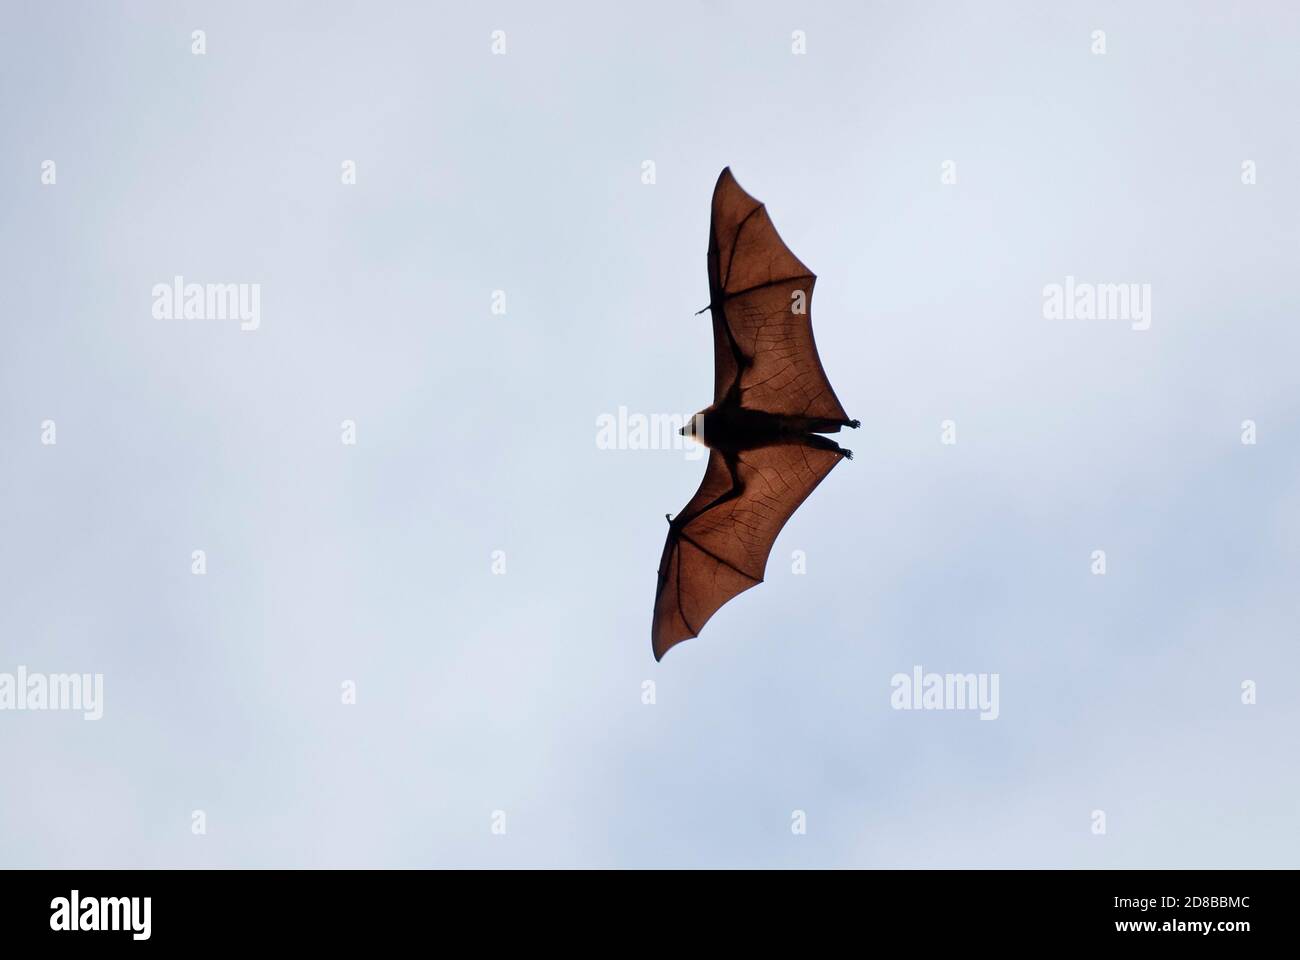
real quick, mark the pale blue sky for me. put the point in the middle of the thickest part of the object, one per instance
(476, 433)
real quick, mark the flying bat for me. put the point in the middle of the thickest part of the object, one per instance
(771, 403)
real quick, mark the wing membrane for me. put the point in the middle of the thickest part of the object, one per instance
(718, 547)
(761, 299)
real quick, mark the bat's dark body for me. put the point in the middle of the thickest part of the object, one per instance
(771, 404)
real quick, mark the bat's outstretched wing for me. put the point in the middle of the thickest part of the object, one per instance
(761, 296)
(718, 545)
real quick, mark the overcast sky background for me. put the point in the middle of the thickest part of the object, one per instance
(476, 433)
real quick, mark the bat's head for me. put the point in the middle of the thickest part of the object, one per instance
(694, 429)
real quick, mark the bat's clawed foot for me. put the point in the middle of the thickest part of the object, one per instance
(853, 424)
(848, 454)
